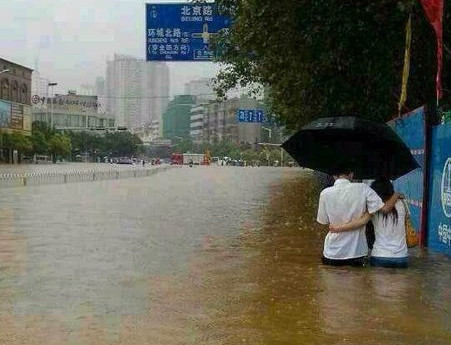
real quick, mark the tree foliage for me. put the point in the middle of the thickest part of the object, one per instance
(122, 143)
(329, 57)
(39, 143)
(109, 144)
(60, 146)
(17, 141)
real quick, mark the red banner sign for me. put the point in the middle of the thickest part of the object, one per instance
(434, 12)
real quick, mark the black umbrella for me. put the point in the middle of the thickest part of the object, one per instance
(369, 149)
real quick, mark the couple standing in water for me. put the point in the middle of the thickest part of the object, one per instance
(347, 207)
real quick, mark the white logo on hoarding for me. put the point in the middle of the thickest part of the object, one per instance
(446, 188)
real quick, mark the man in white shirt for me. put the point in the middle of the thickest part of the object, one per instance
(341, 203)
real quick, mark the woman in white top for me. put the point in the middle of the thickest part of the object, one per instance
(390, 247)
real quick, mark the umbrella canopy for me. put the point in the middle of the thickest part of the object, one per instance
(369, 149)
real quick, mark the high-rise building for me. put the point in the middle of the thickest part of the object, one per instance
(220, 122)
(177, 117)
(87, 90)
(201, 88)
(136, 91)
(39, 85)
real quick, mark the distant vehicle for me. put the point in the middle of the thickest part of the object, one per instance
(42, 159)
(26, 159)
(215, 159)
(166, 161)
(193, 158)
(124, 160)
(176, 159)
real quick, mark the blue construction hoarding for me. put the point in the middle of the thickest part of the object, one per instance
(439, 218)
(182, 32)
(411, 128)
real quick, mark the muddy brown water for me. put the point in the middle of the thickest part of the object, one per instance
(218, 255)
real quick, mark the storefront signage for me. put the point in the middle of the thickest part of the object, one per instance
(65, 102)
(16, 116)
(5, 114)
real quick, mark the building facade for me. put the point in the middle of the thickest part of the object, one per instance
(39, 85)
(150, 133)
(15, 103)
(220, 122)
(197, 122)
(201, 89)
(177, 117)
(136, 91)
(72, 112)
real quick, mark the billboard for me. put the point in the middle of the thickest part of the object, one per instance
(5, 114)
(439, 219)
(411, 129)
(17, 116)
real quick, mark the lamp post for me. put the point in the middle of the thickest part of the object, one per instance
(269, 131)
(281, 150)
(51, 105)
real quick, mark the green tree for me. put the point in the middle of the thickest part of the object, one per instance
(122, 143)
(185, 145)
(43, 128)
(329, 57)
(18, 141)
(250, 155)
(60, 146)
(39, 142)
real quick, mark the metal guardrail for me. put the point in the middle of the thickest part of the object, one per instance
(45, 178)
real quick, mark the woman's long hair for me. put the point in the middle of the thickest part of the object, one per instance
(384, 188)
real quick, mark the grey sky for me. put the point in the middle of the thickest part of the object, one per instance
(71, 40)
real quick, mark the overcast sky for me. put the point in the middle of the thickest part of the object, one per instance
(71, 39)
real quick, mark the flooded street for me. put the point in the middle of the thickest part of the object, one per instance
(215, 255)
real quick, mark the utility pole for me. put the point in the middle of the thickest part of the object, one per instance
(51, 105)
(281, 150)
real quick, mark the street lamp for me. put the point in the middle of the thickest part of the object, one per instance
(281, 150)
(269, 131)
(51, 105)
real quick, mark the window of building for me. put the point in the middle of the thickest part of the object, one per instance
(15, 91)
(23, 92)
(5, 89)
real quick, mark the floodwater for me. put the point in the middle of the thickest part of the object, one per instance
(214, 255)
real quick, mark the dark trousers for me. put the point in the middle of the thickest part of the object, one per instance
(355, 262)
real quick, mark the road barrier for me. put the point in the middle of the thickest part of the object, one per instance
(43, 178)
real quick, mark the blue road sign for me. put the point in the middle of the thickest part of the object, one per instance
(182, 32)
(250, 115)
